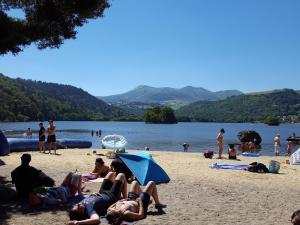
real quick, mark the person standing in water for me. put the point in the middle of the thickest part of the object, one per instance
(29, 133)
(42, 138)
(277, 144)
(220, 142)
(51, 139)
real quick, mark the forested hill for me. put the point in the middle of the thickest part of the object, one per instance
(27, 100)
(245, 108)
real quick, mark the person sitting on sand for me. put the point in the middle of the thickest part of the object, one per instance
(251, 146)
(26, 177)
(231, 152)
(100, 170)
(136, 206)
(118, 166)
(56, 195)
(89, 210)
(295, 218)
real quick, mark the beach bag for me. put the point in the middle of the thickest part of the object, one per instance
(208, 154)
(274, 166)
(258, 168)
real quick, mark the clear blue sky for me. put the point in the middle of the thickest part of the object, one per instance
(250, 45)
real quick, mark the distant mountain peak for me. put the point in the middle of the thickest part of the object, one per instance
(185, 95)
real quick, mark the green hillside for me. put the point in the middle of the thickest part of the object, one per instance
(245, 108)
(27, 100)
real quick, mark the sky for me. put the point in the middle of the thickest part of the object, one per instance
(249, 45)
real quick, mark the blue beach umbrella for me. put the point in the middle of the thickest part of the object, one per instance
(144, 168)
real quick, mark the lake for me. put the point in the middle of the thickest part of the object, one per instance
(200, 136)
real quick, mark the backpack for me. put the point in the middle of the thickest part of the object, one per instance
(208, 154)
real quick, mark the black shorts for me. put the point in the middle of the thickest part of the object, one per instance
(113, 189)
(145, 197)
(42, 138)
(51, 138)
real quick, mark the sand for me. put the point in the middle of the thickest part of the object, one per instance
(196, 195)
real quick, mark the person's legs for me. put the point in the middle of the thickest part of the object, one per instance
(67, 180)
(151, 189)
(120, 186)
(107, 182)
(76, 182)
(43, 146)
(40, 146)
(135, 187)
(54, 144)
(220, 150)
(50, 147)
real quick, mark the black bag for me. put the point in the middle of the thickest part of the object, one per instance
(258, 168)
(208, 154)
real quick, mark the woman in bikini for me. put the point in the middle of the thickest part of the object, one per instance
(100, 170)
(220, 142)
(135, 207)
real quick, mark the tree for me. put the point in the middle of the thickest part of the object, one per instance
(158, 115)
(272, 121)
(47, 23)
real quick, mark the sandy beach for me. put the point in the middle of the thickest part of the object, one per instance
(196, 194)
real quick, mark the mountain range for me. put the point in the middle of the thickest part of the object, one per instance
(186, 95)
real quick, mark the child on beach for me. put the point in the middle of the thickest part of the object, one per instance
(277, 144)
(251, 146)
(231, 152)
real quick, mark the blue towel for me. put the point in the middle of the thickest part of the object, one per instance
(229, 166)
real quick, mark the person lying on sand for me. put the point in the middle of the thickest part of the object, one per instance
(295, 218)
(136, 206)
(89, 210)
(100, 170)
(56, 195)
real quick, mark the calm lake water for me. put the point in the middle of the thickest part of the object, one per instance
(200, 136)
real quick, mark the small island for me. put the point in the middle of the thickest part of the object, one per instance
(272, 121)
(160, 115)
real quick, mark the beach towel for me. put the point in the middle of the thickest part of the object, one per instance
(229, 166)
(104, 221)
